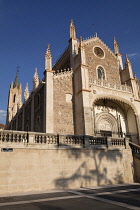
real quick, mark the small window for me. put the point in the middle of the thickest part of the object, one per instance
(14, 99)
(101, 73)
(38, 100)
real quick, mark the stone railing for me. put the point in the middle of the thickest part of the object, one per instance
(13, 136)
(117, 142)
(113, 86)
(45, 140)
(71, 140)
(98, 141)
(135, 149)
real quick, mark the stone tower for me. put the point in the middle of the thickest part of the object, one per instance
(14, 99)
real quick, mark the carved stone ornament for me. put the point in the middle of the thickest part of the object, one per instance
(99, 52)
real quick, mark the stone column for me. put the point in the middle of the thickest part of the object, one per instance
(48, 106)
(83, 114)
(48, 93)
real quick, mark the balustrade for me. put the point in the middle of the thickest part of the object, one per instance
(85, 141)
(73, 140)
(46, 139)
(114, 86)
(117, 141)
(97, 140)
(8, 136)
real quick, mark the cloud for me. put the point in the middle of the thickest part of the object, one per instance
(133, 55)
(2, 111)
(2, 116)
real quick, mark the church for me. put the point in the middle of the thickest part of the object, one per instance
(88, 91)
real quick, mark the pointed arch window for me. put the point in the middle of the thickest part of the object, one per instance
(101, 72)
(38, 124)
(14, 98)
(38, 100)
(27, 128)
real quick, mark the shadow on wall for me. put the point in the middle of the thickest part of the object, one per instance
(95, 168)
(136, 160)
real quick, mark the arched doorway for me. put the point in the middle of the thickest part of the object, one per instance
(106, 124)
(114, 118)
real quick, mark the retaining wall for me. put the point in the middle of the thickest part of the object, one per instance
(33, 166)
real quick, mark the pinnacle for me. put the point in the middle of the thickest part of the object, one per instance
(72, 30)
(71, 21)
(16, 83)
(48, 52)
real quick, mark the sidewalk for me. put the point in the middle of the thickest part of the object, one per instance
(104, 197)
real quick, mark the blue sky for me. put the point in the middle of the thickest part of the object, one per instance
(27, 26)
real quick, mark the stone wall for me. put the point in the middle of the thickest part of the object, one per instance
(39, 161)
(39, 169)
(136, 160)
(63, 103)
(109, 62)
(137, 168)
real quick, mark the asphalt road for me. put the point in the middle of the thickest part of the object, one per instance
(105, 197)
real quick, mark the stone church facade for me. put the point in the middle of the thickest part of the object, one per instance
(88, 91)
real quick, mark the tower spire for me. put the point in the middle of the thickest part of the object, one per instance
(116, 47)
(117, 53)
(16, 83)
(15, 98)
(132, 79)
(72, 30)
(128, 66)
(48, 52)
(127, 61)
(35, 79)
(48, 59)
(26, 93)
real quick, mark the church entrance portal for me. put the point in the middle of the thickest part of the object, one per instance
(109, 119)
(114, 118)
(105, 133)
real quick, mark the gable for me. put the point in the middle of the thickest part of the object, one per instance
(99, 55)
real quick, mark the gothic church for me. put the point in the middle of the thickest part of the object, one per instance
(88, 91)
